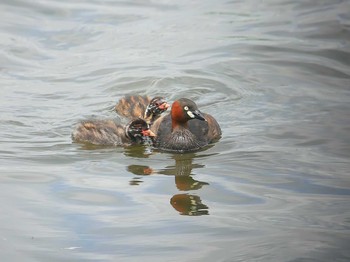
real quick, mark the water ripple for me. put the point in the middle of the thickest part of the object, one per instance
(275, 74)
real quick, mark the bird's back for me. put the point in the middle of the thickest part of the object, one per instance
(133, 106)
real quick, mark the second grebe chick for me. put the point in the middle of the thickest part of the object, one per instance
(110, 133)
(136, 106)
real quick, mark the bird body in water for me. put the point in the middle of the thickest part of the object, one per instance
(186, 129)
(110, 133)
(136, 106)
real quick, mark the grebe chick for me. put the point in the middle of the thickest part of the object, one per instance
(186, 129)
(136, 106)
(110, 133)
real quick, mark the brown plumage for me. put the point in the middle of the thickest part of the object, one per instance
(136, 106)
(110, 133)
(186, 129)
(132, 106)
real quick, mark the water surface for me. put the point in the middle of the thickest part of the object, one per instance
(276, 76)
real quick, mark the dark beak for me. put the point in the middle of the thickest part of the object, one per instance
(198, 115)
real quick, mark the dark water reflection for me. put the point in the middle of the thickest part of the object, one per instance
(185, 204)
(276, 76)
(190, 205)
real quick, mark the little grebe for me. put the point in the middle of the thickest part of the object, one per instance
(136, 106)
(186, 129)
(110, 133)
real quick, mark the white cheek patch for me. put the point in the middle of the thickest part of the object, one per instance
(190, 114)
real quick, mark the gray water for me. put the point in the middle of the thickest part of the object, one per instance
(276, 76)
